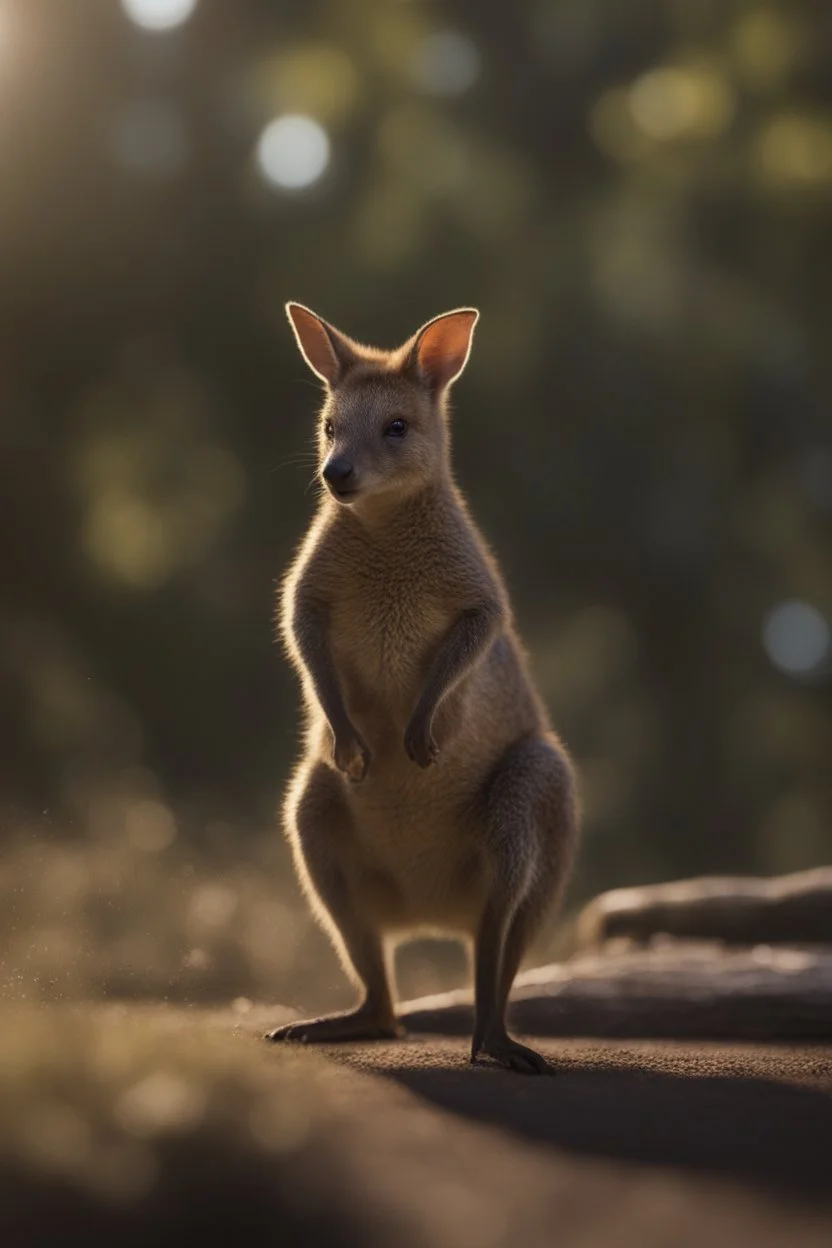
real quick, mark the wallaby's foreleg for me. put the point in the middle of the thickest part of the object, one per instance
(466, 642)
(321, 830)
(310, 635)
(529, 822)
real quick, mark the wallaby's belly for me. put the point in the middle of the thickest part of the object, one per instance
(421, 855)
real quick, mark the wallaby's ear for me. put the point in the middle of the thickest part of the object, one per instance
(441, 348)
(326, 350)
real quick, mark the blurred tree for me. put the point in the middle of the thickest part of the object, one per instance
(639, 198)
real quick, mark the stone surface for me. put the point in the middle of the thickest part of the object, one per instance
(671, 988)
(742, 910)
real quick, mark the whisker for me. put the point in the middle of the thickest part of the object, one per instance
(294, 461)
(315, 383)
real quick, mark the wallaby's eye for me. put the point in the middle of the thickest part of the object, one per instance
(396, 429)
(329, 431)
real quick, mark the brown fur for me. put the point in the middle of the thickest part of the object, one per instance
(432, 793)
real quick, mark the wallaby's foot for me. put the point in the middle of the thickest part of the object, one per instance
(511, 1054)
(332, 1028)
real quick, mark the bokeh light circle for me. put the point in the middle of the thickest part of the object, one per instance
(446, 63)
(159, 14)
(293, 152)
(797, 638)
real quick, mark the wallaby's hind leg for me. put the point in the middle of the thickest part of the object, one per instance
(498, 938)
(323, 829)
(529, 820)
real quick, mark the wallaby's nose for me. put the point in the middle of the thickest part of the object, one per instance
(338, 471)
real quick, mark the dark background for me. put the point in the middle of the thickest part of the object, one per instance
(638, 197)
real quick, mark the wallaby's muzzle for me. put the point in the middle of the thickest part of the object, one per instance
(339, 474)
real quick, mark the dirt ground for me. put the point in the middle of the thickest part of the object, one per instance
(150, 1123)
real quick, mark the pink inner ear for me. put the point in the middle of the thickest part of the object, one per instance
(443, 347)
(314, 342)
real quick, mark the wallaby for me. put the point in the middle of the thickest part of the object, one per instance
(432, 795)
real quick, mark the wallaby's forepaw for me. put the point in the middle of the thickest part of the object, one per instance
(419, 743)
(351, 755)
(512, 1055)
(332, 1028)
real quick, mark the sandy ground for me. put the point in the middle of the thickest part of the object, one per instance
(764, 1114)
(154, 1123)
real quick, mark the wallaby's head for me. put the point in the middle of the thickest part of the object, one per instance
(382, 425)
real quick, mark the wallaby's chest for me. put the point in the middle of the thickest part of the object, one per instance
(386, 623)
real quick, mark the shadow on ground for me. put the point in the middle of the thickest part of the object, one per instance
(761, 1113)
(751, 1128)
